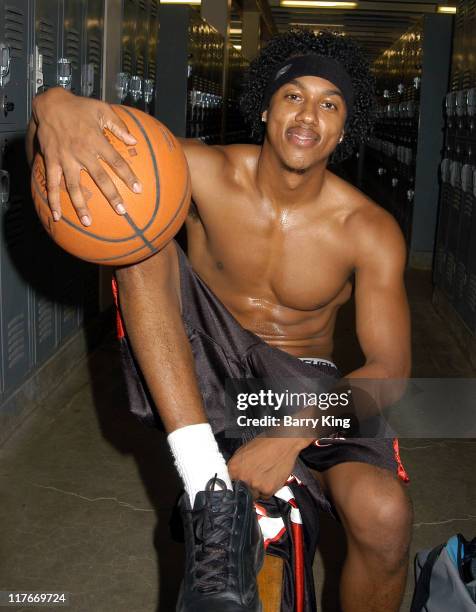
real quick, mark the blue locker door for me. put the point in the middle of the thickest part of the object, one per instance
(73, 39)
(69, 269)
(15, 257)
(43, 293)
(68, 292)
(151, 60)
(93, 29)
(129, 23)
(14, 36)
(47, 38)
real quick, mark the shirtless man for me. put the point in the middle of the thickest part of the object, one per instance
(276, 237)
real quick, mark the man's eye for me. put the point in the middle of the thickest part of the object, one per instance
(329, 105)
(293, 96)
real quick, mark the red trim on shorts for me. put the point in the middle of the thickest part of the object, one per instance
(402, 473)
(119, 324)
(298, 566)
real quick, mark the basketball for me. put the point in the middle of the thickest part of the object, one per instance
(153, 217)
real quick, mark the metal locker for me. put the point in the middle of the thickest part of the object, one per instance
(136, 85)
(70, 64)
(151, 63)
(93, 48)
(14, 262)
(69, 269)
(68, 293)
(14, 37)
(140, 43)
(43, 309)
(129, 13)
(442, 226)
(46, 49)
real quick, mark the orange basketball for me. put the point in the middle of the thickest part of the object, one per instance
(153, 216)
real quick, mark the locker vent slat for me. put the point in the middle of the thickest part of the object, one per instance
(94, 51)
(472, 292)
(151, 69)
(16, 340)
(15, 30)
(153, 8)
(46, 41)
(14, 226)
(127, 61)
(142, 4)
(140, 65)
(72, 47)
(45, 319)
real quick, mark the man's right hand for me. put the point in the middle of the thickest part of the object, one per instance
(69, 131)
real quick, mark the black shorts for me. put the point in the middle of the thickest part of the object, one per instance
(223, 350)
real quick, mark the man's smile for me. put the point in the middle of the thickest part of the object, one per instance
(302, 137)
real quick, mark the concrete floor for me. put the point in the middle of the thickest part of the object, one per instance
(87, 492)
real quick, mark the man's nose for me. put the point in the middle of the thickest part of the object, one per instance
(308, 113)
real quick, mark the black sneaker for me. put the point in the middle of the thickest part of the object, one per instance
(223, 551)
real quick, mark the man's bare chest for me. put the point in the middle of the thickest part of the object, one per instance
(297, 263)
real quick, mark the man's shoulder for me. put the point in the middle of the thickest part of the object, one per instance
(241, 156)
(369, 225)
(219, 164)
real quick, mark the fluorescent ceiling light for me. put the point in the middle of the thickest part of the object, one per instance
(236, 30)
(317, 25)
(237, 47)
(447, 9)
(180, 1)
(318, 4)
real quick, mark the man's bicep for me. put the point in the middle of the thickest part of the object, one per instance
(382, 313)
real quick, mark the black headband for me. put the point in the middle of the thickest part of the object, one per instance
(311, 65)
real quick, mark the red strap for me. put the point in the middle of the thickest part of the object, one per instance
(119, 324)
(298, 566)
(402, 473)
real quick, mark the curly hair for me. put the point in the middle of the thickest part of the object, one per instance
(300, 41)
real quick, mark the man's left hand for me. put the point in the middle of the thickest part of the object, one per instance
(265, 464)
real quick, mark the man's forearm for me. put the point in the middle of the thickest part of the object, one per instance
(151, 313)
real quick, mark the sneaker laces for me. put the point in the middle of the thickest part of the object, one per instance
(213, 529)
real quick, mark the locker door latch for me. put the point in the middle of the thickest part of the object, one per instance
(36, 67)
(4, 187)
(65, 73)
(88, 80)
(4, 64)
(136, 87)
(122, 85)
(6, 106)
(148, 90)
(472, 102)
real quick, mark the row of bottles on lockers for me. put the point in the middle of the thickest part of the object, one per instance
(205, 80)
(235, 128)
(455, 258)
(45, 294)
(391, 151)
(136, 82)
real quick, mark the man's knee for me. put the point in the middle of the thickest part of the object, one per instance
(378, 520)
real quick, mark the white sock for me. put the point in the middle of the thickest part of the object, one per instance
(197, 458)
